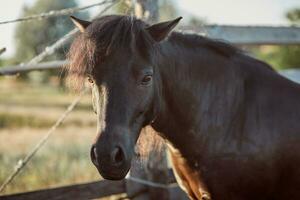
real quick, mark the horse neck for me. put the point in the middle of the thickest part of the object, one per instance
(200, 92)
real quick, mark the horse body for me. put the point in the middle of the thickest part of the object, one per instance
(234, 120)
(230, 120)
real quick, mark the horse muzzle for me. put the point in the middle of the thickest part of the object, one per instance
(113, 165)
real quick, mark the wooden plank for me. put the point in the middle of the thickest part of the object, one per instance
(133, 188)
(80, 191)
(250, 35)
(12, 70)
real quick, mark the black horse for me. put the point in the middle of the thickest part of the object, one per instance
(232, 123)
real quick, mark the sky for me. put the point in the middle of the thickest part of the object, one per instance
(234, 12)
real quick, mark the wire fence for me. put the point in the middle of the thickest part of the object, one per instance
(55, 13)
(151, 183)
(49, 50)
(22, 163)
(62, 41)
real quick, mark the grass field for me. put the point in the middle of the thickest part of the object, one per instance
(26, 113)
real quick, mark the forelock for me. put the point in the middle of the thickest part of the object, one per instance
(101, 39)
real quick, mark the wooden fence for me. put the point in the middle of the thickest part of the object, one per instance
(239, 35)
(129, 188)
(251, 35)
(91, 190)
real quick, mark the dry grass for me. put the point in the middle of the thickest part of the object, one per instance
(65, 157)
(63, 160)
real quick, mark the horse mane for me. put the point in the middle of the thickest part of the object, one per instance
(193, 40)
(81, 59)
(100, 40)
(220, 47)
(149, 142)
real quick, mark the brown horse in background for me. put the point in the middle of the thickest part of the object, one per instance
(231, 122)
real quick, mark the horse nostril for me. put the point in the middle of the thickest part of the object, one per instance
(117, 155)
(94, 156)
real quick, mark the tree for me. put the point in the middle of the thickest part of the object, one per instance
(294, 16)
(33, 37)
(159, 10)
(283, 57)
(167, 10)
(289, 56)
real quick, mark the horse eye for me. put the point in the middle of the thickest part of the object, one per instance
(146, 79)
(90, 80)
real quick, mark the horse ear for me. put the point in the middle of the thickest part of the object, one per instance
(161, 30)
(81, 24)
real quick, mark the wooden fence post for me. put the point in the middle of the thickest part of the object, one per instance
(157, 170)
(154, 170)
(136, 190)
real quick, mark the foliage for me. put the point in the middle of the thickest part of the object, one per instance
(290, 55)
(294, 16)
(283, 57)
(122, 8)
(167, 10)
(4, 62)
(196, 22)
(33, 37)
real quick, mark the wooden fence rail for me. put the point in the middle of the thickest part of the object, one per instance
(12, 70)
(239, 35)
(251, 35)
(134, 188)
(91, 190)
